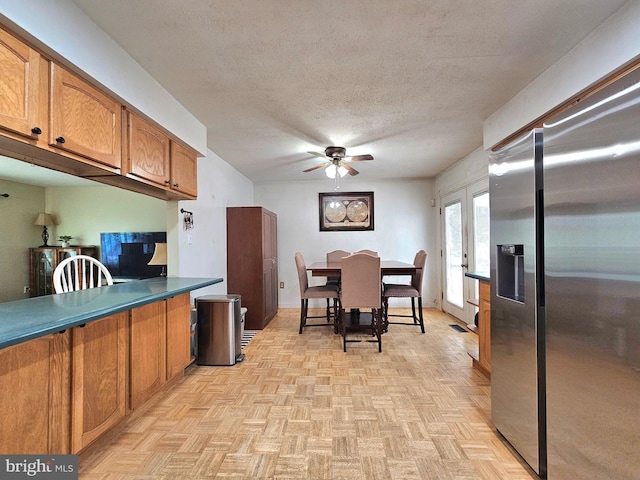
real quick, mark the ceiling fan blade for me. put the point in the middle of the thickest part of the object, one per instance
(352, 171)
(316, 154)
(358, 158)
(325, 164)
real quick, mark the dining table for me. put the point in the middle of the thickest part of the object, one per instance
(387, 267)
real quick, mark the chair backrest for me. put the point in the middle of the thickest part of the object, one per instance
(419, 261)
(361, 281)
(80, 272)
(370, 252)
(302, 274)
(336, 256)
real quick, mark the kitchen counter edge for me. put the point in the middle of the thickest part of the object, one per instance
(483, 277)
(31, 318)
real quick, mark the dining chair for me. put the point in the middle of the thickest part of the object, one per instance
(335, 257)
(412, 290)
(370, 252)
(80, 272)
(330, 292)
(361, 290)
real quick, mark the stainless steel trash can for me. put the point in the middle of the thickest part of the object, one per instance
(219, 330)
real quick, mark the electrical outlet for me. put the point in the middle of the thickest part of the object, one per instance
(281, 284)
(26, 289)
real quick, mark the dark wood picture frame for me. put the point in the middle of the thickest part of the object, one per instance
(346, 211)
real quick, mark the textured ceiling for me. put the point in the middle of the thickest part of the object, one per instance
(407, 81)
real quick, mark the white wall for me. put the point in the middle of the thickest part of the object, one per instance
(17, 234)
(404, 223)
(219, 186)
(610, 46)
(85, 212)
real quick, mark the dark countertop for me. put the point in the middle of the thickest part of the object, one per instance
(31, 318)
(482, 276)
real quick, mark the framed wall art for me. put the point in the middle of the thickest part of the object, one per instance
(345, 211)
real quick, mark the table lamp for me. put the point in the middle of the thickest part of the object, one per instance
(46, 220)
(160, 258)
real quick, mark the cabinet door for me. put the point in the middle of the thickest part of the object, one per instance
(43, 262)
(35, 392)
(19, 86)
(148, 151)
(178, 334)
(184, 170)
(147, 351)
(484, 326)
(84, 120)
(98, 378)
(270, 264)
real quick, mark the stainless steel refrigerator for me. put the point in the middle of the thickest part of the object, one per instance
(565, 278)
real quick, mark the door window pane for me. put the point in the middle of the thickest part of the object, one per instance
(481, 232)
(453, 250)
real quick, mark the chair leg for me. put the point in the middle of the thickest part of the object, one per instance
(413, 310)
(420, 313)
(378, 321)
(303, 313)
(344, 330)
(328, 310)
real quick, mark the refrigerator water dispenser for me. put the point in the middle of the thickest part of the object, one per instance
(510, 274)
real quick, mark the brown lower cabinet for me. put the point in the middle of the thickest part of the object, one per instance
(61, 392)
(98, 375)
(35, 396)
(148, 352)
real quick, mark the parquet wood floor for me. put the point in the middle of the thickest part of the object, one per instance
(300, 408)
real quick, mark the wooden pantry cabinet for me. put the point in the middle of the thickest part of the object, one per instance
(152, 156)
(252, 262)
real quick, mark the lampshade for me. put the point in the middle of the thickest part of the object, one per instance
(159, 255)
(45, 219)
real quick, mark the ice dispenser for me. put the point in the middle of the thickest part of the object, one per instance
(510, 274)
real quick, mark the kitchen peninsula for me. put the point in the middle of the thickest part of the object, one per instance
(482, 358)
(73, 365)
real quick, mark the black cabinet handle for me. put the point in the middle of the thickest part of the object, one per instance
(176, 185)
(167, 182)
(36, 130)
(60, 140)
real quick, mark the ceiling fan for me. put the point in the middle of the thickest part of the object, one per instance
(338, 162)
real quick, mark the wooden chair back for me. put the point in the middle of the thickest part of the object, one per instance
(80, 272)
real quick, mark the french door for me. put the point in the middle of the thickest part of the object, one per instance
(465, 247)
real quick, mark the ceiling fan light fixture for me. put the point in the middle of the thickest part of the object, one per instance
(330, 171)
(342, 171)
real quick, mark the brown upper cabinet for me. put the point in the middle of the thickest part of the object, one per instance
(184, 170)
(56, 119)
(153, 157)
(21, 79)
(147, 151)
(84, 120)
